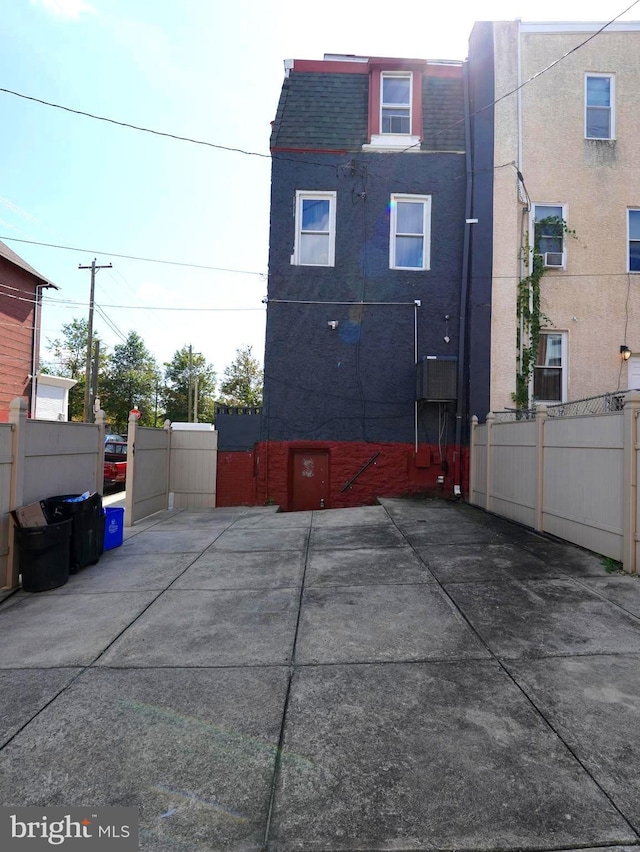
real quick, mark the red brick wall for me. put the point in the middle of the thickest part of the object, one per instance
(16, 334)
(235, 481)
(263, 476)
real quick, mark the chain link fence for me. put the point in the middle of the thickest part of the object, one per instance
(603, 404)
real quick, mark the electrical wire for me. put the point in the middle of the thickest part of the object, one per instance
(539, 73)
(135, 257)
(217, 146)
(626, 326)
(74, 303)
(114, 328)
(133, 126)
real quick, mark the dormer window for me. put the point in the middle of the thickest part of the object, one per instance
(395, 104)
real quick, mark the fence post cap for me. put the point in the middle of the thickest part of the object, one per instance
(18, 404)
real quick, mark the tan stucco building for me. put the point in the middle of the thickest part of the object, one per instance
(562, 135)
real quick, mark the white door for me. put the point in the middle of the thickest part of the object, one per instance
(633, 372)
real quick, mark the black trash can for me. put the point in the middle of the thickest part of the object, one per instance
(87, 534)
(43, 555)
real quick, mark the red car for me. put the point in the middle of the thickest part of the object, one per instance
(115, 463)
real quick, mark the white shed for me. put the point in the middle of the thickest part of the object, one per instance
(52, 397)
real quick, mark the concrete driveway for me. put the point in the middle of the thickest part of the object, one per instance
(408, 676)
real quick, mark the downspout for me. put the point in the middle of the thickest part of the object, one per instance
(417, 303)
(519, 108)
(464, 287)
(524, 200)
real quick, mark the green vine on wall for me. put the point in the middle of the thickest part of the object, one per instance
(529, 315)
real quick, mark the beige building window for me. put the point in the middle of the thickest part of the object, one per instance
(599, 103)
(634, 240)
(550, 371)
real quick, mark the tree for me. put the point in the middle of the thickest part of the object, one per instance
(178, 372)
(69, 358)
(132, 378)
(242, 383)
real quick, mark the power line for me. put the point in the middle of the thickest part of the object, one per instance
(152, 307)
(134, 126)
(114, 328)
(243, 151)
(540, 73)
(135, 257)
(74, 303)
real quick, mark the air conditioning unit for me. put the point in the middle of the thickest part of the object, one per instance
(437, 378)
(554, 259)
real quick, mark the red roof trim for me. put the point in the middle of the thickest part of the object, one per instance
(443, 71)
(278, 150)
(334, 66)
(320, 66)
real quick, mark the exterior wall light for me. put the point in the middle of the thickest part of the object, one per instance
(625, 352)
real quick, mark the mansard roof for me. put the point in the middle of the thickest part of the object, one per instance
(324, 106)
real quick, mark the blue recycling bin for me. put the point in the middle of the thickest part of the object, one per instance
(113, 527)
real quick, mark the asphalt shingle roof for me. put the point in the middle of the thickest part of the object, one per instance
(442, 114)
(12, 257)
(324, 111)
(330, 112)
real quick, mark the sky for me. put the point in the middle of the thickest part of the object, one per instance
(204, 69)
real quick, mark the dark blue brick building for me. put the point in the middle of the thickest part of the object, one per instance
(368, 285)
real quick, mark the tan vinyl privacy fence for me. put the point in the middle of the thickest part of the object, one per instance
(6, 457)
(573, 477)
(40, 459)
(147, 471)
(169, 468)
(193, 468)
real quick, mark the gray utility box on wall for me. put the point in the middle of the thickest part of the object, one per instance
(437, 378)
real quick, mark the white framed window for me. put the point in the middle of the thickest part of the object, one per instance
(599, 106)
(410, 232)
(315, 229)
(548, 234)
(550, 370)
(395, 104)
(633, 240)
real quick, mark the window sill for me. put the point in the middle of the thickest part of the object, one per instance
(409, 268)
(392, 142)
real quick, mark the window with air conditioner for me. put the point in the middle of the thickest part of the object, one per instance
(548, 231)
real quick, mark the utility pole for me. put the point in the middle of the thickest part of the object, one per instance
(94, 376)
(87, 374)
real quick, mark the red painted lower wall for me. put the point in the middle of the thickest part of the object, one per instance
(263, 475)
(235, 480)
